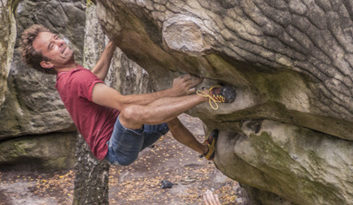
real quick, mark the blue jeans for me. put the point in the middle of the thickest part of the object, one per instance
(125, 144)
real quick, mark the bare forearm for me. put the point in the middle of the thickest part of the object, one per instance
(144, 99)
(181, 87)
(109, 97)
(106, 96)
(102, 66)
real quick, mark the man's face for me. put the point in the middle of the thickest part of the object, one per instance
(53, 48)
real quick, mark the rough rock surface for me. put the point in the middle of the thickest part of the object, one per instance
(32, 104)
(288, 135)
(6, 46)
(47, 152)
(30, 107)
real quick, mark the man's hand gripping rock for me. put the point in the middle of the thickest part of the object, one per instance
(185, 85)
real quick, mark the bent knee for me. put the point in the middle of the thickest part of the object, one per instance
(136, 114)
(130, 114)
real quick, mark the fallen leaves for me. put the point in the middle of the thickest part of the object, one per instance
(140, 183)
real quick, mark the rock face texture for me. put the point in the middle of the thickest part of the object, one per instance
(33, 105)
(35, 129)
(288, 135)
(33, 121)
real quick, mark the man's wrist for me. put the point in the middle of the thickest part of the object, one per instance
(170, 92)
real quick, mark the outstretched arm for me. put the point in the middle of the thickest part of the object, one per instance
(102, 66)
(109, 97)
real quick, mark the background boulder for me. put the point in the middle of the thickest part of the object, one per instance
(33, 117)
(34, 122)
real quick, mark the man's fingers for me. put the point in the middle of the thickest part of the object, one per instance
(186, 84)
(191, 91)
(205, 199)
(210, 199)
(193, 81)
(217, 199)
(197, 81)
(186, 76)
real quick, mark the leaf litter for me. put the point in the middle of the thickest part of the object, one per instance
(137, 184)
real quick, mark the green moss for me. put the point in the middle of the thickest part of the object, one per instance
(273, 154)
(13, 5)
(59, 163)
(279, 166)
(329, 125)
(12, 150)
(53, 151)
(20, 147)
(275, 85)
(271, 84)
(89, 3)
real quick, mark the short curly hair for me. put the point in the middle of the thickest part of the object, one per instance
(29, 55)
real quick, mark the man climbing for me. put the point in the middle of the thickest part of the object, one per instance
(116, 127)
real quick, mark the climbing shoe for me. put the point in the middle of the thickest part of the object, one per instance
(218, 94)
(211, 144)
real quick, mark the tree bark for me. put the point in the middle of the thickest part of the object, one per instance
(91, 182)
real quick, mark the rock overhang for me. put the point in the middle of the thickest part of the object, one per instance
(288, 69)
(188, 37)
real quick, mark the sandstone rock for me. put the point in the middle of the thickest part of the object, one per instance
(289, 132)
(29, 103)
(47, 152)
(7, 36)
(288, 135)
(32, 104)
(305, 166)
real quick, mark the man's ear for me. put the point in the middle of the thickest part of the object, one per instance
(46, 64)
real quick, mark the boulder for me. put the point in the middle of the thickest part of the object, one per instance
(48, 152)
(7, 36)
(31, 110)
(30, 107)
(288, 135)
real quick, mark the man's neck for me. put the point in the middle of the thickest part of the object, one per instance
(66, 68)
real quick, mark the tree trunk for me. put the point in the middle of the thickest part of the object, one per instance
(91, 182)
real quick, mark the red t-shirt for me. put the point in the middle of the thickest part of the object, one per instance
(94, 122)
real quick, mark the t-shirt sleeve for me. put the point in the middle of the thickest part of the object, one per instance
(84, 82)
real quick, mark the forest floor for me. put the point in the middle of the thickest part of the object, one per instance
(137, 184)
